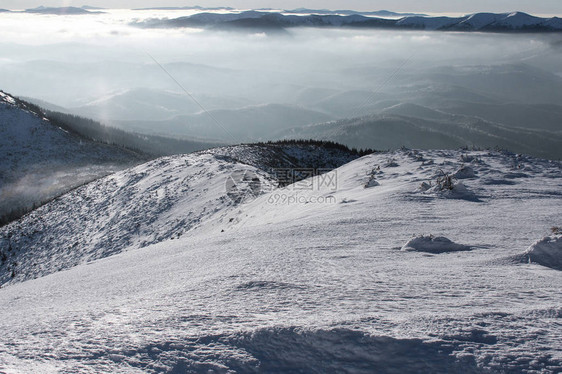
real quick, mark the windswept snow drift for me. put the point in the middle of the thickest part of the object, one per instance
(546, 252)
(433, 244)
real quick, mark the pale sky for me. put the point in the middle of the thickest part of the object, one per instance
(553, 7)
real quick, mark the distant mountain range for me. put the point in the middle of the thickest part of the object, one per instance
(271, 20)
(379, 13)
(62, 10)
(483, 22)
(196, 7)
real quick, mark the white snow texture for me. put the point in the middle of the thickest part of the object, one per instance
(155, 269)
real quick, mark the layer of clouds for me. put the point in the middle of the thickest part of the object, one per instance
(75, 60)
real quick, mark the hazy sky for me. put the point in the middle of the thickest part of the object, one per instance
(530, 6)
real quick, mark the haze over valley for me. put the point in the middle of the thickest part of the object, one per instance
(252, 85)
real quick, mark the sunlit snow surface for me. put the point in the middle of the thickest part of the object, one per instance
(265, 286)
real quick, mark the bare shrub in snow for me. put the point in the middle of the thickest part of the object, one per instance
(444, 181)
(447, 186)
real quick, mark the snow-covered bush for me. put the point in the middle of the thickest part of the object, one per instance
(446, 185)
(372, 182)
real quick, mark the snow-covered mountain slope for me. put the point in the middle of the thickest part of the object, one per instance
(41, 161)
(147, 204)
(495, 22)
(305, 279)
(150, 203)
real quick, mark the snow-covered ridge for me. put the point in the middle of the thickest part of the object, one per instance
(494, 22)
(160, 200)
(156, 201)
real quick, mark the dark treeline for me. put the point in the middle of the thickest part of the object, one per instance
(328, 144)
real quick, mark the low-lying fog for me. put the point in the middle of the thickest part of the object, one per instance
(472, 88)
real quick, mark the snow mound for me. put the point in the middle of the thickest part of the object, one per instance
(546, 252)
(433, 244)
(459, 191)
(465, 172)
